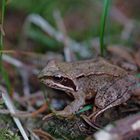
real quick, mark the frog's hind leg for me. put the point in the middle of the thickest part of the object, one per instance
(91, 120)
(119, 100)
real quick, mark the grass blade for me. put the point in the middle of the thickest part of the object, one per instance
(1, 27)
(102, 28)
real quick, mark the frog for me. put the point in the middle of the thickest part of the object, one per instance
(107, 85)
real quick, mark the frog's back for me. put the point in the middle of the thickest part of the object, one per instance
(93, 84)
(89, 67)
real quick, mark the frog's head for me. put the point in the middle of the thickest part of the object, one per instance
(54, 77)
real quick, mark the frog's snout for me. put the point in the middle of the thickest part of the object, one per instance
(40, 75)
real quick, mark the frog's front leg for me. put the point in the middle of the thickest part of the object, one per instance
(72, 108)
(69, 110)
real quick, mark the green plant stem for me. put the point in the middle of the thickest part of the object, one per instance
(102, 28)
(2, 70)
(2, 21)
(1, 26)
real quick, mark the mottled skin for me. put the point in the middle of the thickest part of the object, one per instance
(107, 83)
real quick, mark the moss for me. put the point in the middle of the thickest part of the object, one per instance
(6, 134)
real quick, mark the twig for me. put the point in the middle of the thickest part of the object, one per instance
(44, 135)
(57, 35)
(23, 114)
(23, 70)
(18, 64)
(62, 29)
(19, 114)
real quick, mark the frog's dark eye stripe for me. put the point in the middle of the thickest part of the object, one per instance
(68, 82)
(62, 80)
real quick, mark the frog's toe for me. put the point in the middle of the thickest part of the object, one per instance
(90, 123)
(49, 116)
(63, 113)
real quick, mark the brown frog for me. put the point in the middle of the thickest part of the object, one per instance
(110, 85)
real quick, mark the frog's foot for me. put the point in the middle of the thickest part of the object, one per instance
(60, 114)
(98, 111)
(95, 114)
(90, 123)
(49, 116)
(63, 113)
(91, 120)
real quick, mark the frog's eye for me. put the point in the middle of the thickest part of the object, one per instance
(68, 83)
(57, 79)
